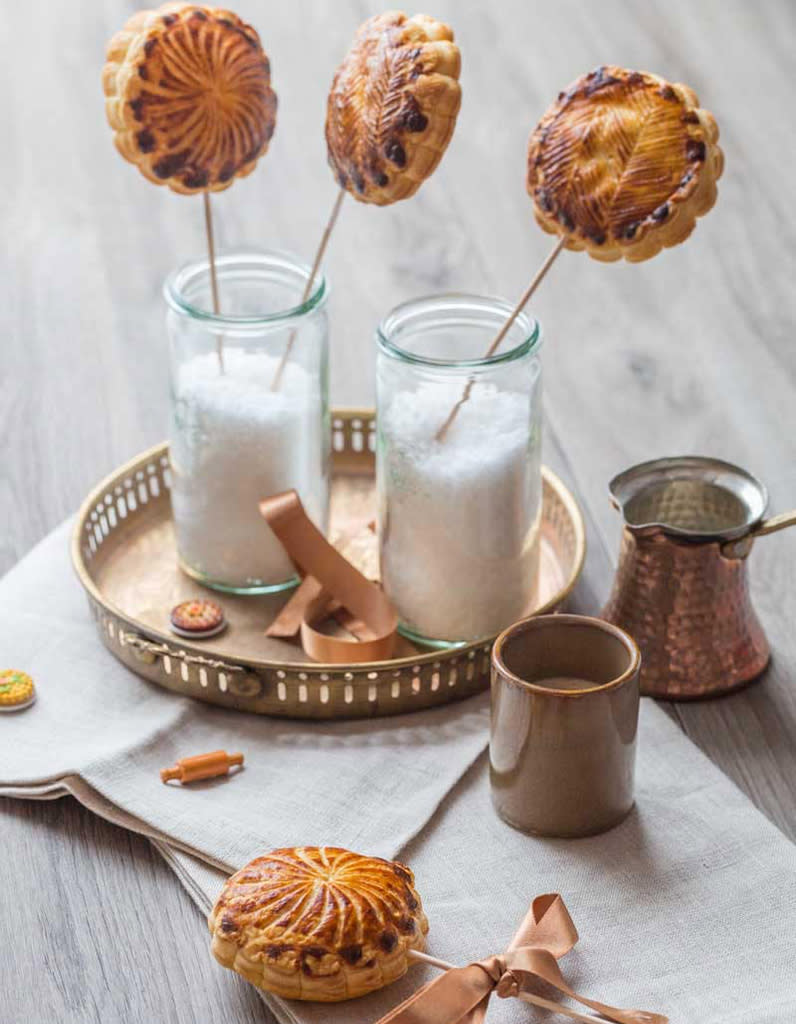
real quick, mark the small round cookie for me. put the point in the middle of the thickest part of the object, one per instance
(623, 163)
(392, 106)
(318, 923)
(197, 619)
(16, 690)
(188, 95)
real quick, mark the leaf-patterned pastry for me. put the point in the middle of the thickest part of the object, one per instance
(188, 95)
(392, 107)
(318, 923)
(623, 163)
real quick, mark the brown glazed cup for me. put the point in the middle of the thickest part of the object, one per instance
(565, 697)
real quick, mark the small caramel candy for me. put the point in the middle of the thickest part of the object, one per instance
(202, 766)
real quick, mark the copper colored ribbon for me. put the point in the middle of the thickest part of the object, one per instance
(329, 580)
(461, 995)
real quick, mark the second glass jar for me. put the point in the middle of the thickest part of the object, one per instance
(459, 507)
(250, 414)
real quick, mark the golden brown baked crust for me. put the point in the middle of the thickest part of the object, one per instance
(392, 107)
(318, 923)
(623, 163)
(188, 95)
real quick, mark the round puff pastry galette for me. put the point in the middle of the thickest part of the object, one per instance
(623, 163)
(392, 107)
(318, 923)
(188, 95)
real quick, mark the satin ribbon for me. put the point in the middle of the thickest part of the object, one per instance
(461, 995)
(331, 585)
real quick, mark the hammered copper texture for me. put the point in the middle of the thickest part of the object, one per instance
(688, 608)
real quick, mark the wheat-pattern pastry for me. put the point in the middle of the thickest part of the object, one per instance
(392, 107)
(188, 95)
(318, 923)
(623, 163)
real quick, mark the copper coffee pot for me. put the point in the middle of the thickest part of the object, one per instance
(681, 587)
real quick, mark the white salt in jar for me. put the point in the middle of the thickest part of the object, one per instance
(250, 413)
(459, 515)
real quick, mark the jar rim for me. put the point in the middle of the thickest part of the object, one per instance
(451, 302)
(178, 280)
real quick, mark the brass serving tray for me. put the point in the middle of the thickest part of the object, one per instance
(124, 553)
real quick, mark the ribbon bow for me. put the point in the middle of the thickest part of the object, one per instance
(461, 995)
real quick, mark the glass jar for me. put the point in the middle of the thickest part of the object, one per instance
(250, 414)
(459, 514)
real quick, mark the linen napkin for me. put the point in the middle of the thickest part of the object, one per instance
(688, 908)
(97, 728)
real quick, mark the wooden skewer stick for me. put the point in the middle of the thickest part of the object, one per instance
(327, 231)
(211, 254)
(504, 330)
(526, 997)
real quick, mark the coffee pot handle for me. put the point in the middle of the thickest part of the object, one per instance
(780, 522)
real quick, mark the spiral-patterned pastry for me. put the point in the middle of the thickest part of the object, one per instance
(623, 163)
(318, 923)
(392, 107)
(188, 95)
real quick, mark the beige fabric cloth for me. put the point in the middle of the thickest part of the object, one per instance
(360, 784)
(687, 908)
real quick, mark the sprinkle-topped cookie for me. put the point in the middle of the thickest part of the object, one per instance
(16, 690)
(197, 618)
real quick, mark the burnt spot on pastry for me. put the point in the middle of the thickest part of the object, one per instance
(406, 925)
(226, 171)
(381, 179)
(666, 92)
(395, 153)
(630, 230)
(388, 941)
(196, 179)
(695, 150)
(544, 200)
(170, 164)
(598, 237)
(598, 79)
(198, 16)
(690, 117)
(661, 212)
(228, 925)
(351, 954)
(145, 140)
(137, 107)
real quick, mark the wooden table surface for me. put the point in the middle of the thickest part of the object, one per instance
(690, 352)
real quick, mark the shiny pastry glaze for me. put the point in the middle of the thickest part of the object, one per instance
(297, 908)
(617, 152)
(392, 106)
(190, 96)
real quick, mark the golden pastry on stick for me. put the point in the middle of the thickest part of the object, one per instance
(623, 163)
(390, 115)
(318, 923)
(620, 166)
(392, 107)
(188, 96)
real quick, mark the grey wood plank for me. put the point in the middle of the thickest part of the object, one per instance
(691, 351)
(95, 928)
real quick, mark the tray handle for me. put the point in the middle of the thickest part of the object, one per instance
(242, 683)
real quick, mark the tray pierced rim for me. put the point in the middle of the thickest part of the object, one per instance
(93, 499)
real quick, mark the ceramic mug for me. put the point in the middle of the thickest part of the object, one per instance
(565, 699)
